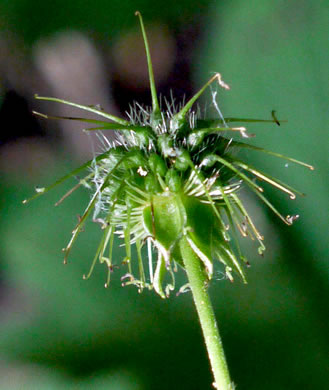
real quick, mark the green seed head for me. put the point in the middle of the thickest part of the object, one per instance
(171, 175)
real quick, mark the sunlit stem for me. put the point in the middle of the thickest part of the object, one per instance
(86, 108)
(99, 252)
(127, 242)
(205, 123)
(78, 228)
(234, 234)
(107, 260)
(180, 116)
(102, 125)
(214, 130)
(266, 178)
(246, 215)
(253, 147)
(242, 175)
(150, 260)
(155, 103)
(140, 264)
(70, 118)
(232, 215)
(80, 183)
(159, 275)
(230, 261)
(69, 175)
(287, 220)
(198, 284)
(258, 190)
(90, 206)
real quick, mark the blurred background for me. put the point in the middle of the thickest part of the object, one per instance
(58, 331)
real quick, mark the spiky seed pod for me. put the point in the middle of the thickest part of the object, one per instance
(171, 175)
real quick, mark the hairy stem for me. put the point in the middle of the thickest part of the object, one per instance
(197, 281)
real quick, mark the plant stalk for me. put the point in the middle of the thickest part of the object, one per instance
(198, 284)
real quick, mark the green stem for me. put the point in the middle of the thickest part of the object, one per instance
(197, 280)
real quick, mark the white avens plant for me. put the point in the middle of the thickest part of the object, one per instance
(171, 181)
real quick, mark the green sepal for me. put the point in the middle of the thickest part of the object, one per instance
(151, 183)
(165, 144)
(135, 159)
(173, 180)
(183, 160)
(157, 164)
(202, 230)
(163, 220)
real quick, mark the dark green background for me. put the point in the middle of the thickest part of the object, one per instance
(58, 331)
